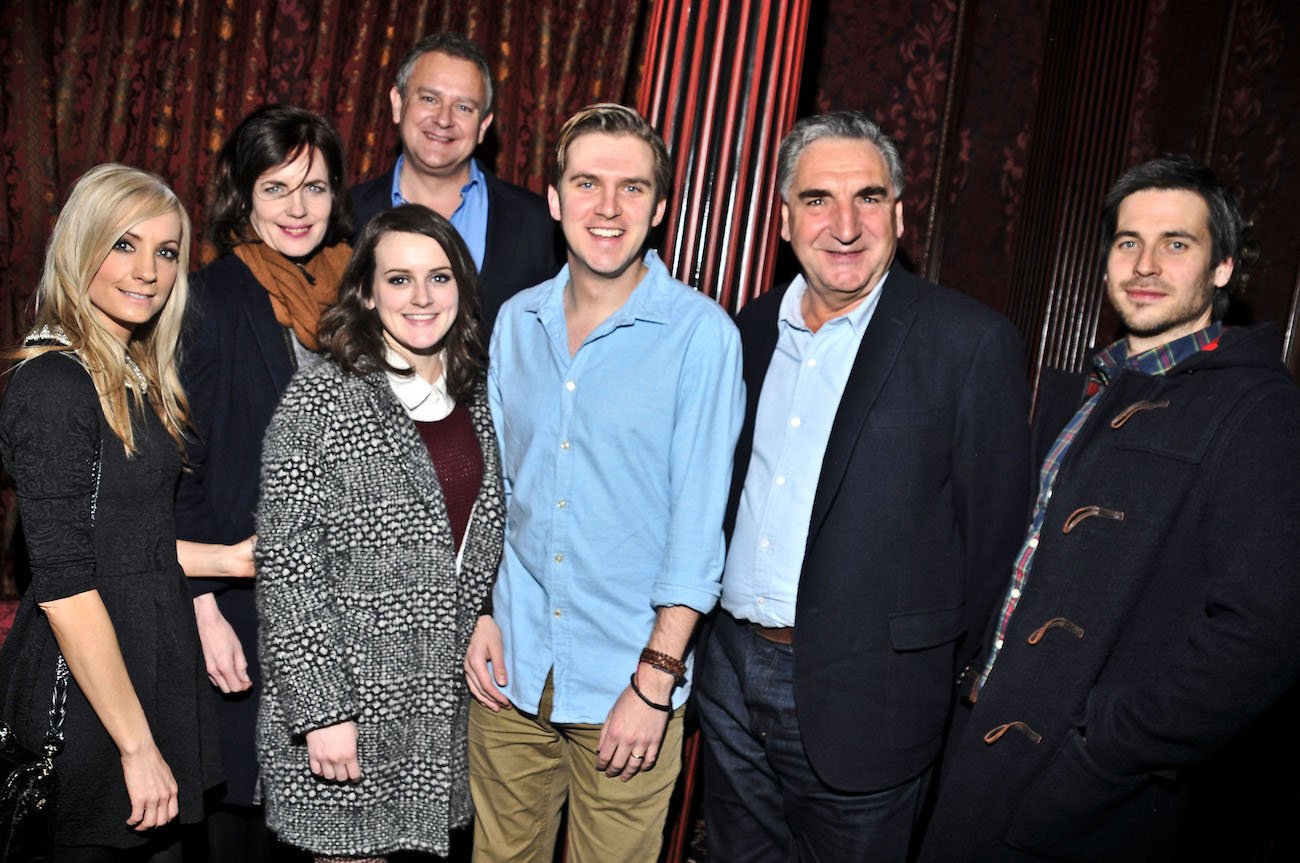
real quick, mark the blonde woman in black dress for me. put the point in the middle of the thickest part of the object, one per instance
(91, 431)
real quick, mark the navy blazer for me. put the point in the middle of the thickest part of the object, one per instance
(521, 248)
(918, 512)
(236, 362)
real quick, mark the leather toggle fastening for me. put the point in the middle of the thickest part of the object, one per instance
(1137, 407)
(1084, 513)
(1037, 635)
(995, 734)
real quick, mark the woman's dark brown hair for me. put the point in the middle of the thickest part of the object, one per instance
(352, 334)
(266, 138)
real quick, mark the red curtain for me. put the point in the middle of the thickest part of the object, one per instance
(159, 84)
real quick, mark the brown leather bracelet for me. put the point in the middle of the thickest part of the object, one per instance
(665, 663)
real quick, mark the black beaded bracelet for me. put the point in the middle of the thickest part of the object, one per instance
(666, 708)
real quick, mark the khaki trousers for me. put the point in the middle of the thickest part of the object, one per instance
(522, 769)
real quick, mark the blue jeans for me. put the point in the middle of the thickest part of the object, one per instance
(763, 800)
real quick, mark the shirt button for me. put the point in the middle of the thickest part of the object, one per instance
(1015, 593)
(780, 480)
(794, 421)
(998, 644)
(760, 601)
(764, 543)
(564, 444)
(812, 363)
(570, 386)
(1033, 542)
(559, 558)
(557, 612)
(561, 503)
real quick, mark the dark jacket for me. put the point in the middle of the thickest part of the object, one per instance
(919, 506)
(1151, 631)
(521, 248)
(236, 362)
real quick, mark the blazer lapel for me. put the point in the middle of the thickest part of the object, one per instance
(270, 338)
(502, 224)
(880, 348)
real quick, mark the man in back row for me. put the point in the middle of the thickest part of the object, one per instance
(442, 105)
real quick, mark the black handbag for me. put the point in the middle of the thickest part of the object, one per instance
(27, 799)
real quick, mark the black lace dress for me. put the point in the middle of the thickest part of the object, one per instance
(94, 518)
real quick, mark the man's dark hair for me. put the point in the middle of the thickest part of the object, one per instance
(453, 45)
(266, 138)
(352, 334)
(1229, 235)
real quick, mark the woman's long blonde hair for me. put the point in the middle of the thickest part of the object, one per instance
(105, 203)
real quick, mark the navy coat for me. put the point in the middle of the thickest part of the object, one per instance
(236, 363)
(1158, 621)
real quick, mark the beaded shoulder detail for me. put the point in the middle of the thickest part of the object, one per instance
(48, 333)
(55, 333)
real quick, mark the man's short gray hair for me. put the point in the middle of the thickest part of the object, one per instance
(848, 125)
(453, 45)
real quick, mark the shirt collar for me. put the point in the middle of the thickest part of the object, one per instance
(1157, 360)
(857, 318)
(422, 400)
(650, 301)
(395, 192)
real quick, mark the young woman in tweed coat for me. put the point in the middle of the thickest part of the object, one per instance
(379, 534)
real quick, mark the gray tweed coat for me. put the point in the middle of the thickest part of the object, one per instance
(365, 613)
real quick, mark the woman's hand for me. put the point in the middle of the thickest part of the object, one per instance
(223, 654)
(332, 752)
(150, 787)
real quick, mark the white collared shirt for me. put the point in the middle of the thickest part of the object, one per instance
(424, 401)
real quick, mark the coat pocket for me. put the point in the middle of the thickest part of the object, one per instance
(921, 657)
(1076, 811)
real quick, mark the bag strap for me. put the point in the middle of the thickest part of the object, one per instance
(58, 710)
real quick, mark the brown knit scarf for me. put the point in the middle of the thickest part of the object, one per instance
(297, 299)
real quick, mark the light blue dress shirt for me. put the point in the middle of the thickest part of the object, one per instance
(470, 218)
(796, 409)
(617, 467)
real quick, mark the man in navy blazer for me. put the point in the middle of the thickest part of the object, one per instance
(442, 104)
(880, 486)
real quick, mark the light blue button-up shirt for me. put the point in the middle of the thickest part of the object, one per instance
(617, 466)
(801, 394)
(470, 218)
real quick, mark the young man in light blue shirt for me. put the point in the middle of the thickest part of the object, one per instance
(617, 397)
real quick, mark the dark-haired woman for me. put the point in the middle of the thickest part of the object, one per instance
(379, 534)
(279, 216)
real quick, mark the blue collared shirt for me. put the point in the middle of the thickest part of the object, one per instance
(801, 394)
(470, 218)
(617, 467)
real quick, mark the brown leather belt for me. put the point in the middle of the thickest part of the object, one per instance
(775, 634)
